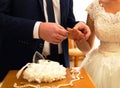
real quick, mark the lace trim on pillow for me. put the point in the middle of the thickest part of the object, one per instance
(74, 74)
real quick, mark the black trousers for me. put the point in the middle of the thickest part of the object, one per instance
(59, 58)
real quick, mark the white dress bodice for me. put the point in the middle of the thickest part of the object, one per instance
(103, 63)
(107, 26)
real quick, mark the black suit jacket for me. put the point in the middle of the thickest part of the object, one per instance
(17, 19)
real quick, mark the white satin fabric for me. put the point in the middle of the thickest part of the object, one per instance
(103, 63)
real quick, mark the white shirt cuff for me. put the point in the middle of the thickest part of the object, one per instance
(35, 30)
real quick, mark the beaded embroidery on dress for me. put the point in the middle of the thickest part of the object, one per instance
(103, 63)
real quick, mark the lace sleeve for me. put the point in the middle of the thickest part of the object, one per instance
(90, 10)
(93, 9)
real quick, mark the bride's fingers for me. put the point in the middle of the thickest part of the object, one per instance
(75, 34)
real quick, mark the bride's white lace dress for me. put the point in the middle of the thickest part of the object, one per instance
(103, 63)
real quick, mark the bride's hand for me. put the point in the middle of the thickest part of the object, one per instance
(75, 34)
(85, 30)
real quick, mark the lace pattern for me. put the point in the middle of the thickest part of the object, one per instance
(104, 22)
(103, 63)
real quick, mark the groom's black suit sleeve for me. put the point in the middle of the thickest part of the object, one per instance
(17, 20)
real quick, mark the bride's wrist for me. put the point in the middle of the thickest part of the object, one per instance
(83, 45)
